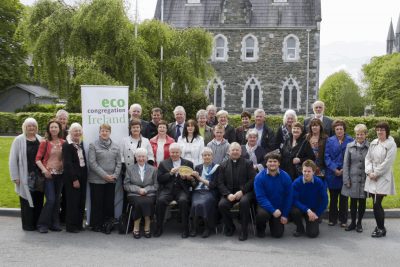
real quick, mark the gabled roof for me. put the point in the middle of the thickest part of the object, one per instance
(264, 13)
(390, 36)
(36, 90)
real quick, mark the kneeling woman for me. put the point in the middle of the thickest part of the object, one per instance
(141, 186)
(204, 198)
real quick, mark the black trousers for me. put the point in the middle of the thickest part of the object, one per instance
(276, 227)
(30, 216)
(102, 203)
(63, 205)
(357, 205)
(379, 212)
(225, 206)
(75, 204)
(312, 228)
(165, 197)
(50, 215)
(335, 197)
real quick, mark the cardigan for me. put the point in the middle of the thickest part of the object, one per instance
(18, 166)
(128, 155)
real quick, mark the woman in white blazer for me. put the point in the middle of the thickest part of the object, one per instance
(191, 143)
(379, 169)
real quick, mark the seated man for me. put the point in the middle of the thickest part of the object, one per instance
(309, 200)
(235, 183)
(273, 188)
(173, 186)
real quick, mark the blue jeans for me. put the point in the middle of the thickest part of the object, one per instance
(49, 217)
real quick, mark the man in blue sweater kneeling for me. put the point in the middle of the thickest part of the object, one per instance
(273, 188)
(309, 201)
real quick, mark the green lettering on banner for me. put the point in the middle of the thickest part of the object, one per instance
(105, 103)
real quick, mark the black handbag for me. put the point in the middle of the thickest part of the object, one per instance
(39, 181)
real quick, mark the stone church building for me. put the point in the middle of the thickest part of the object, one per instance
(393, 39)
(265, 54)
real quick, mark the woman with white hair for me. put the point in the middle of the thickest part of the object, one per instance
(62, 117)
(25, 174)
(141, 186)
(75, 178)
(252, 151)
(230, 134)
(205, 195)
(283, 133)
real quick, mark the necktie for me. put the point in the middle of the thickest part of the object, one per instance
(178, 132)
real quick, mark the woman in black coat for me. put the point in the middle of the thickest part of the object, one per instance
(295, 151)
(75, 179)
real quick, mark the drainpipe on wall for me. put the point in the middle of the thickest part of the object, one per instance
(308, 71)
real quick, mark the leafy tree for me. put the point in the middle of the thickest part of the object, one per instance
(382, 78)
(341, 95)
(96, 39)
(12, 52)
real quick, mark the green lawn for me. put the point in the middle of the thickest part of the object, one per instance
(9, 199)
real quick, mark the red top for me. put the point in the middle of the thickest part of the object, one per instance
(154, 145)
(42, 149)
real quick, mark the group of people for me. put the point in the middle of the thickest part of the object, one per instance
(209, 168)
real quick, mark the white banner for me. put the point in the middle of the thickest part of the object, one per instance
(105, 104)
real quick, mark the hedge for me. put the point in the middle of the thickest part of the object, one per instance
(10, 123)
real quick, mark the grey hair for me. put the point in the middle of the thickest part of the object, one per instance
(289, 112)
(361, 128)
(233, 145)
(207, 150)
(211, 107)
(27, 122)
(179, 108)
(201, 112)
(74, 126)
(62, 112)
(259, 110)
(141, 151)
(175, 146)
(318, 102)
(135, 105)
(222, 113)
(251, 132)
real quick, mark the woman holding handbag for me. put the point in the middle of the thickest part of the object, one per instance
(25, 174)
(49, 161)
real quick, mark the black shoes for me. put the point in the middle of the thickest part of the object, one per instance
(351, 227)
(43, 230)
(298, 233)
(332, 223)
(147, 234)
(185, 234)
(243, 235)
(193, 232)
(229, 231)
(136, 234)
(158, 232)
(261, 233)
(359, 228)
(206, 233)
(379, 232)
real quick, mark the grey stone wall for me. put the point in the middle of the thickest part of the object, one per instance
(270, 68)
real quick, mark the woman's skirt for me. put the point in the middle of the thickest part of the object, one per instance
(143, 206)
(204, 204)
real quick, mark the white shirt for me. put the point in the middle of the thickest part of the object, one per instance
(160, 151)
(141, 172)
(192, 150)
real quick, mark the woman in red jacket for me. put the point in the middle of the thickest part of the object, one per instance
(49, 161)
(160, 143)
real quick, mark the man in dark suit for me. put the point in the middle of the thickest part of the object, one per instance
(173, 186)
(175, 129)
(135, 111)
(266, 138)
(235, 183)
(151, 129)
(319, 108)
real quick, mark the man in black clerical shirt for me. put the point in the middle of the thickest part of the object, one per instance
(235, 183)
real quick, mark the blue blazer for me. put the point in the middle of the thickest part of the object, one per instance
(334, 154)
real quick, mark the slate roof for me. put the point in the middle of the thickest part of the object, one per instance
(390, 36)
(264, 13)
(36, 90)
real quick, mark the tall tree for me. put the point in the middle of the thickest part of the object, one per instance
(12, 52)
(341, 95)
(382, 78)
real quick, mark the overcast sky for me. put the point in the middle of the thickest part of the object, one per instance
(352, 31)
